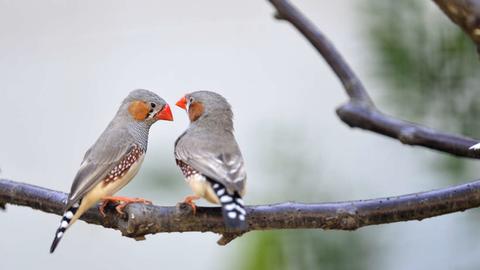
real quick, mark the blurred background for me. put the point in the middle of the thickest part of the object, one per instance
(66, 65)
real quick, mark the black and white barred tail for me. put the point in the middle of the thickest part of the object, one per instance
(64, 223)
(233, 211)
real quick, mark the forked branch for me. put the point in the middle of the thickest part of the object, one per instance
(360, 110)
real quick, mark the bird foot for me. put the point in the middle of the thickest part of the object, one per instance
(121, 202)
(190, 201)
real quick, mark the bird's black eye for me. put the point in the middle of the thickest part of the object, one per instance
(153, 105)
(191, 99)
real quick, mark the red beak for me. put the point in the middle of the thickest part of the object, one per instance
(182, 103)
(165, 114)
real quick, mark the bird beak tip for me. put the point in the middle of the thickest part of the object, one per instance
(182, 103)
(165, 114)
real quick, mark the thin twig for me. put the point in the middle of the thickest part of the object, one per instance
(360, 111)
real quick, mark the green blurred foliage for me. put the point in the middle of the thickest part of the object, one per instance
(306, 249)
(429, 68)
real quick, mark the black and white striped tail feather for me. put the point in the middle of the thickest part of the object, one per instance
(64, 223)
(233, 210)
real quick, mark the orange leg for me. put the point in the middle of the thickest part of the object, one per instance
(190, 201)
(121, 201)
(101, 209)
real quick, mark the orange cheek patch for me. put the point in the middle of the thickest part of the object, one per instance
(195, 111)
(138, 110)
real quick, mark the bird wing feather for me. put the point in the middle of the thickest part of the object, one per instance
(222, 164)
(99, 160)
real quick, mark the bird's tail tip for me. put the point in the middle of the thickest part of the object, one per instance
(56, 240)
(58, 235)
(235, 225)
(234, 214)
(233, 210)
(64, 223)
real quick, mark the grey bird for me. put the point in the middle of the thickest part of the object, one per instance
(209, 157)
(115, 158)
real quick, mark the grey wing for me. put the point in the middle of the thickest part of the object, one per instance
(226, 167)
(99, 160)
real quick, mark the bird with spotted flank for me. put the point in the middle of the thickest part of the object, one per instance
(209, 157)
(114, 159)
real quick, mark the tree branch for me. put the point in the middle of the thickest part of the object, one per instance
(464, 13)
(360, 111)
(141, 220)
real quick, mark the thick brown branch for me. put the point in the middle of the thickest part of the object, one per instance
(466, 14)
(141, 220)
(360, 111)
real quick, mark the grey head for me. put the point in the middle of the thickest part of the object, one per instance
(144, 106)
(208, 108)
(132, 122)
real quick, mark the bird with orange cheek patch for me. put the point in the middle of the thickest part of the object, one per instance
(114, 159)
(209, 157)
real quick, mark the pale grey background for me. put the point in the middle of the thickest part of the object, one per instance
(66, 65)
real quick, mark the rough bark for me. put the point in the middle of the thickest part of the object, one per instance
(140, 220)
